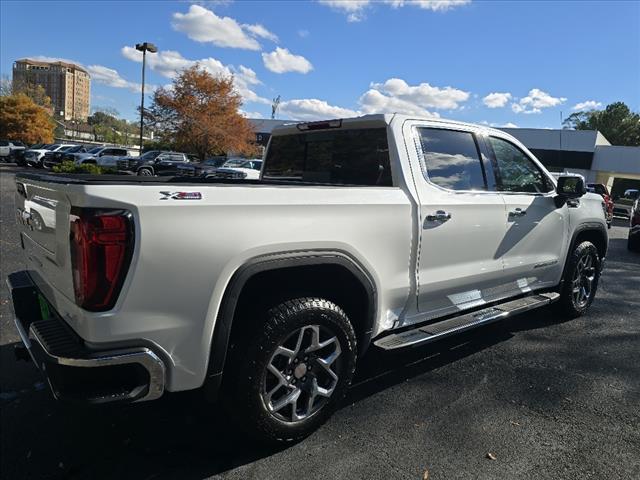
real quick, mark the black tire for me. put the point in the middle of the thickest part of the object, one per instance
(254, 391)
(145, 172)
(574, 303)
(633, 243)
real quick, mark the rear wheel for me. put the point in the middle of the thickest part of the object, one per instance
(633, 243)
(580, 280)
(290, 375)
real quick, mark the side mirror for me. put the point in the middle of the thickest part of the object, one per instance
(571, 186)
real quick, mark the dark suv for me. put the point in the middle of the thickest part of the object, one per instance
(51, 159)
(201, 169)
(154, 162)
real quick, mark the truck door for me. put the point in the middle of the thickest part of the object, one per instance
(462, 221)
(536, 230)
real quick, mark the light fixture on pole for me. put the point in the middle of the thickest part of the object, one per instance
(144, 48)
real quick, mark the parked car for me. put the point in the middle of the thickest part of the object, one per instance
(35, 156)
(239, 168)
(623, 204)
(51, 159)
(154, 163)
(74, 156)
(201, 169)
(10, 150)
(103, 156)
(384, 231)
(603, 191)
(633, 243)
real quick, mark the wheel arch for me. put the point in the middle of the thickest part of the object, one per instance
(596, 233)
(312, 266)
(593, 232)
(146, 167)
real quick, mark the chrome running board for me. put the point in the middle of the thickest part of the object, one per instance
(438, 330)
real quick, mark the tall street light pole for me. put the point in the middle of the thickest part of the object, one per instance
(144, 48)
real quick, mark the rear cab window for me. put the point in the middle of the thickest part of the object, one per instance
(356, 156)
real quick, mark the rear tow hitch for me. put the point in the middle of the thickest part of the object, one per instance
(21, 353)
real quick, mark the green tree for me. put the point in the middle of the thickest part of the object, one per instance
(108, 128)
(616, 122)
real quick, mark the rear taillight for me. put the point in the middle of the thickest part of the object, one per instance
(101, 249)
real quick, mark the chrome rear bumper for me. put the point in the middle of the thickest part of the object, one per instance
(75, 371)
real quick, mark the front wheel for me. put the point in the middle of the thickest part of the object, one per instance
(294, 370)
(145, 172)
(580, 280)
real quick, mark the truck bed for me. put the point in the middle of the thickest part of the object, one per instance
(85, 179)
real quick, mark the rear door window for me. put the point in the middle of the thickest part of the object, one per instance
(342, 157)
(452, 159)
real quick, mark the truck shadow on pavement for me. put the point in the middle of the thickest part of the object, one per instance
(180, 435)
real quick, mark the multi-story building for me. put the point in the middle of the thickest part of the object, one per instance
(66, 84)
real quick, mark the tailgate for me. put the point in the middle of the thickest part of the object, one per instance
(42, 214)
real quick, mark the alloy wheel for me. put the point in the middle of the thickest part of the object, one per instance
(301, 375)
(583, 279)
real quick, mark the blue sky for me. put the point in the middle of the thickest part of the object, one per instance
(501, 62)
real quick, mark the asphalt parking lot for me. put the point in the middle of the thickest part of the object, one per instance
(547, 398)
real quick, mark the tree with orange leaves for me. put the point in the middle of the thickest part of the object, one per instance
(22, 119)
(199, 113)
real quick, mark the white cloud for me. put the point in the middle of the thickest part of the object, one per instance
(433, 5)
(111, 77)
(496, 99)
(373, 101)
(250, 114)
(166, 62)
(354, 9)
(535, 101)
(282, 60)
(169, 63)
(499, 125)
(258, 30)
(396, 95)
(204, 26)
(303, 33)
(309, 109)
(517, 108)
(587, 105)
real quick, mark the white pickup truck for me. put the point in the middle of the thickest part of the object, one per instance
(383, 231)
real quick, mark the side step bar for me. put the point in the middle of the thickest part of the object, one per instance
(438, 330)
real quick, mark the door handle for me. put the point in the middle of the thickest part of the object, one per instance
(439, 216)
(518, 212)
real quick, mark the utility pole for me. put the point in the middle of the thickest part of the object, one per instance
(274, 107)
(144, 48)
